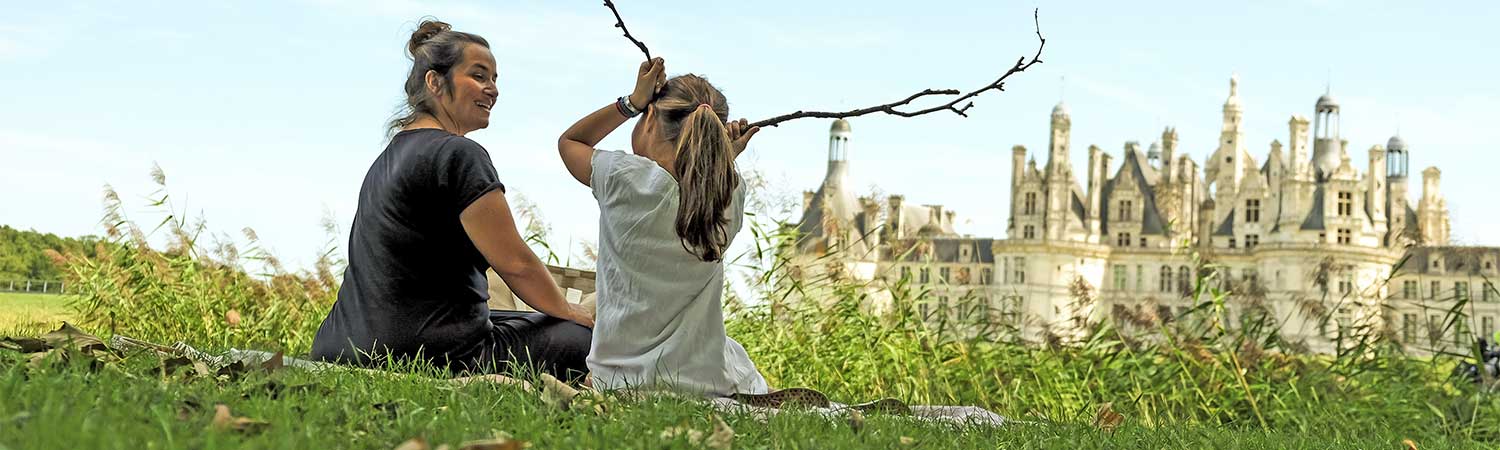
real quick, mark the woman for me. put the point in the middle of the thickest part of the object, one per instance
(667, 214)
(432, 217)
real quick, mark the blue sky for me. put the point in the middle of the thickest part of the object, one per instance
(266, 114)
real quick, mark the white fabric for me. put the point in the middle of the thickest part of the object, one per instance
(960, 415)
(660, 322)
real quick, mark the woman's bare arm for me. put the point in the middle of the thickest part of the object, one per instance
(491, 227)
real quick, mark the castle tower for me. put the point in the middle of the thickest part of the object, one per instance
(1396, 160)
(1328, 148)
(1226, 169)
(1059, 174)
(838, 153)
(828, 217)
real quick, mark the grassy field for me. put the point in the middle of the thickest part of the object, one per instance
(32, 312)
(1198, 380)
(133, 405)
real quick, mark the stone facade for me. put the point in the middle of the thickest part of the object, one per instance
(1305, 237)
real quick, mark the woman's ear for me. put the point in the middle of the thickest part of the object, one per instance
(434, 83)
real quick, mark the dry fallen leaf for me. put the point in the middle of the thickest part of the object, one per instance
(1107, 419)
(1409, 444)
(232, 318)
(413, 444)
(274, 363)
(224, 421)
(68, 336)
(723, 437)
(907, 441)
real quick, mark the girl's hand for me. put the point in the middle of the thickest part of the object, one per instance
(651, 77)
(740, 132)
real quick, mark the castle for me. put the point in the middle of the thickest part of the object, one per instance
(1303, 238)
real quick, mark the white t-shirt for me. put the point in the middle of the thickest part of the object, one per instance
(660, 322)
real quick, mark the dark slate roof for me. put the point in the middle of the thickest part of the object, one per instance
(1314, 219)
(945, 249)
(1151, 221)
(1457, 260)
(810, 229)
(1226, 228)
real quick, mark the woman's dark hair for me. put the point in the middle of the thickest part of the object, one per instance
(690, 110)
(433, 46)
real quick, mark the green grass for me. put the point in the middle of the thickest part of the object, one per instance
(23, 312)
(131, 405)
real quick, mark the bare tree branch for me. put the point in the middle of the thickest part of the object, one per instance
(620, 23)
(890, 108)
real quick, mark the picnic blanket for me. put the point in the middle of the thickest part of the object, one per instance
(760, 407)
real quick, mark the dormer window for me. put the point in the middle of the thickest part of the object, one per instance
(1346, 204)
(1126, 211)
(1030, 204)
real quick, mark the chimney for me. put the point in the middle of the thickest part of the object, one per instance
(872, 216)
(895, 220)
(1096, 188)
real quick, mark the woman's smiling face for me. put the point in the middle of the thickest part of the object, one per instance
(473, 92)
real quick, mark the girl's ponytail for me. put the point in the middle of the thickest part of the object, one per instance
(706, 182)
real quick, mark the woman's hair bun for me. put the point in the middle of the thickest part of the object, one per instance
(427, 30)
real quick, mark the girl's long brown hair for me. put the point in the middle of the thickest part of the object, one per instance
(690, 110)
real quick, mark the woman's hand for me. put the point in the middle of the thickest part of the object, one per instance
(581, 314)
(651, 77)
(740, 132)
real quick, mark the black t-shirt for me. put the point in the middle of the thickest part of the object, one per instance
(415, 282)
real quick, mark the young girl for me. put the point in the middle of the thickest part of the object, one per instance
(667, 214)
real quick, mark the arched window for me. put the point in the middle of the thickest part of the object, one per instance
(1184, 280)
(1166, 279)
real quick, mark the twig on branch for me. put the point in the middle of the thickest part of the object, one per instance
(890, 108)
(620, 23)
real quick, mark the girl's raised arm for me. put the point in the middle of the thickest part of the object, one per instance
(576, 145)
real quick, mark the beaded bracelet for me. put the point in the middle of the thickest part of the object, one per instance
(625, 108)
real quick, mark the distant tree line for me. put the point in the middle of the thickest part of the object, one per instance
(23, 253)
